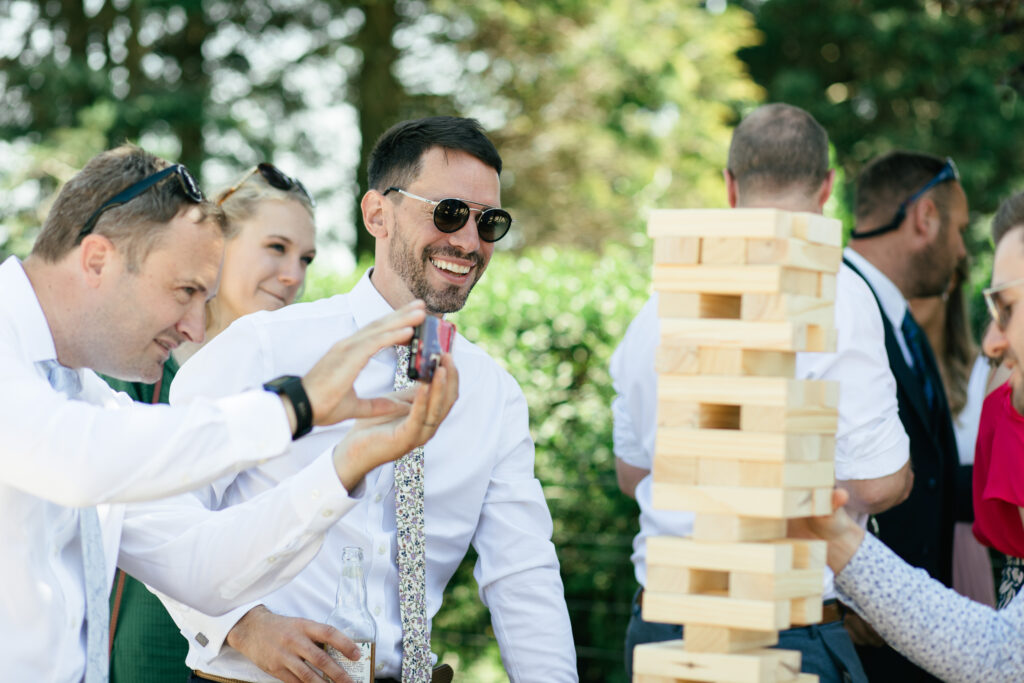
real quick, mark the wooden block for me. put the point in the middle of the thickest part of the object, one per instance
(698, 305)
(694, 415)
(682, 250)
(761, 391)
(724, 472)
(676, 470)
(673, 659)
(806, 610)
(748, 557)
(737, 280)
(764, 223)
(816, 228)
(716, 610)
(736, 500)
(810, 310)
(827, 287)
(793, 253)
(723, 251)
(802, 420)
(734, 444)
(673, 579)
(807, 554)
(795, 583)
(700, 638)
(769, 335)
(733, 529)
(681, 359)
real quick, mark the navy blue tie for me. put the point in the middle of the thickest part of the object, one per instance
(914, 336)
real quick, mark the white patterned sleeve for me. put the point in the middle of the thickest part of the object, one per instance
(951, 636)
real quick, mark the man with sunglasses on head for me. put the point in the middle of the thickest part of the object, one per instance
(126, 260)
(434, 209)
(911, 212)
(778, 158)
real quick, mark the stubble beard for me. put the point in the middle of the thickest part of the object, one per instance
(413, 272)
(932, 268)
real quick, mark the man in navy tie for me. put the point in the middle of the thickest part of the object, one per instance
(911, 212)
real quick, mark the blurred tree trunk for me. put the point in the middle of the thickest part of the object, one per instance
(376, 94)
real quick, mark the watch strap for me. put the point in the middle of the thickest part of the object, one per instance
(291, 386)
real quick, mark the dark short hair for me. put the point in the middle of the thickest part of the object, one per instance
(887, 181)
(778, 148)
(135, 227)
(1010, 215)
(396, 159)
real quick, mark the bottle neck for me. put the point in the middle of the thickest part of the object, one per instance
(351, 588)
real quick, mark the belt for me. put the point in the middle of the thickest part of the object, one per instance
(443, 673)
(214, 677)
(830, 609)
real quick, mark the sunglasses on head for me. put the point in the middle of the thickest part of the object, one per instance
(451, 214)
(188, 184)
(275, 178)
(947, 172)
(999, 311)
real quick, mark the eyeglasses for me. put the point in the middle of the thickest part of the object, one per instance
(275, 177)
(947, 172)
(999, 311)
(189, 187)
(451, 214)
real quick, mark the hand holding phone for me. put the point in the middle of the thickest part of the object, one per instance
(430, 339)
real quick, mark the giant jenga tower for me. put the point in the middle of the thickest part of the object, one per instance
(740, 441)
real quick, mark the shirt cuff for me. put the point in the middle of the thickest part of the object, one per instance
(206, 634)
(318, 501)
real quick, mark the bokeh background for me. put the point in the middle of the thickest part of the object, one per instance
(601, 110)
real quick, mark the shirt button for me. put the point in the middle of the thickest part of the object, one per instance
(272, 559)
(931, 483)
(378, 498)
(328, 513)
(376, 611)
(315, 493)
(380, 550)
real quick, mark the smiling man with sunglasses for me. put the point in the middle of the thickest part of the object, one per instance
(125, 263)
(434, 209)
(911, 212)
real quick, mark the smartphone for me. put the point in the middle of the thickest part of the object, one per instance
(430, 339)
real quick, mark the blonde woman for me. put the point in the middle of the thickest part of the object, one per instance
(270, 220)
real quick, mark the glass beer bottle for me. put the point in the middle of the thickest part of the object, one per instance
(352, 618)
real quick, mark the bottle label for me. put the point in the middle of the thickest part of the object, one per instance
(360, 671)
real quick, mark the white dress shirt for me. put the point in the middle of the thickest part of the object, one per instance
(58, 455)
(870, 439)
(479, 488)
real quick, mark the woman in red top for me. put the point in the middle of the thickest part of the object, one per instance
(999, 486)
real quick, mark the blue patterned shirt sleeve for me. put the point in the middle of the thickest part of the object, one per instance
(953, 637)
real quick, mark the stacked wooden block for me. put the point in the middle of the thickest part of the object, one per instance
(740, 441)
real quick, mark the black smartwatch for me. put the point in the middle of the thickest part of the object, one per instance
(291, 386)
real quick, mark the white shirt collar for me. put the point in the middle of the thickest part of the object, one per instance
(894, 305)
(28, 321)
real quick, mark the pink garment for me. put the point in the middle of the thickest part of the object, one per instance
(999, 475)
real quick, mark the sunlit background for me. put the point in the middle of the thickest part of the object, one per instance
(601, 110)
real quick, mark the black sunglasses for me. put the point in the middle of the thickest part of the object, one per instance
(189, 187)
(275, 177)
(947, 172)
(451, 214)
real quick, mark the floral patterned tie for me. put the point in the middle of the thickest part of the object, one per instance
(97, 609)
(412, 582)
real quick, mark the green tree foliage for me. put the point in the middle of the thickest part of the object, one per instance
(602, 110)
(931, 75)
